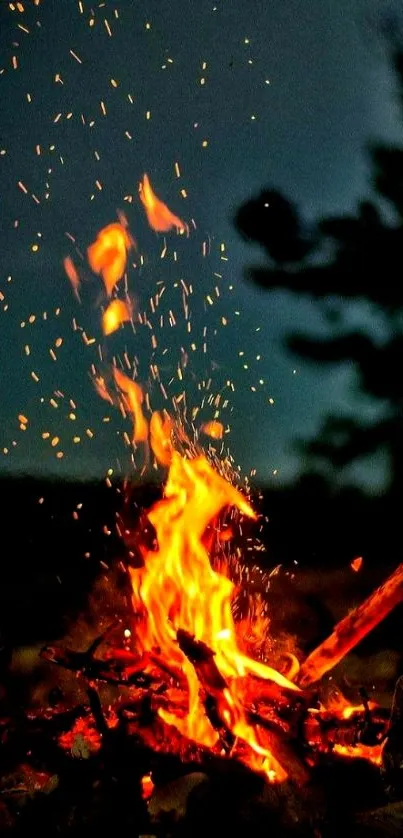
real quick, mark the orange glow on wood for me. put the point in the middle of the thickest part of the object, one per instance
(352, 629)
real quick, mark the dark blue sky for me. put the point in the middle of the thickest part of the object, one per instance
(291, 93)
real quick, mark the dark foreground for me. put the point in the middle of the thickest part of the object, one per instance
(59, 543)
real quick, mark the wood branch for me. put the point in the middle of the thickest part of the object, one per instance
(285, 750)
(202, 658)
(168, 669)
(97, 712)
(352, 629)
(111, 670)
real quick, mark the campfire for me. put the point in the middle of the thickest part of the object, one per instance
(191, 678)
(186, 659)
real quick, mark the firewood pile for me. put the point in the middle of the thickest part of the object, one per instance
(111, 760)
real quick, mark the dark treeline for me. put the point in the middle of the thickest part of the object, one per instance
(346, 264)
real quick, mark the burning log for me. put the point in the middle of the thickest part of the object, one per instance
(352, 629)
(202, 659)
(270, 737)
(96, 669)
(282, 725)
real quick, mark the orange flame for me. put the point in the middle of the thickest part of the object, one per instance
(147, 786)
(356, 564)
(133, 400)
(351, 709)
(118, 312)
(213, 429)
(177, 589)
(159, 217)
(372, 753)
(108, 254)
(160, 438)
(72, 274)
(102, 389)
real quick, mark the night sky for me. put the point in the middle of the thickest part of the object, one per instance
(231, 95)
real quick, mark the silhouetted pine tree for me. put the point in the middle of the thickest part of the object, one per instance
(355, 257)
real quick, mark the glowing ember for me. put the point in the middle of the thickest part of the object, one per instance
(356, 564)
(147, 786)
(159, 217)
(370, 753)
(350, 710)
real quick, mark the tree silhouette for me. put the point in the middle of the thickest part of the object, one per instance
(356, 258)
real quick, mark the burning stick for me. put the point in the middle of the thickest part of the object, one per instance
(267, 736)
(352, 629)
(122, 668)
